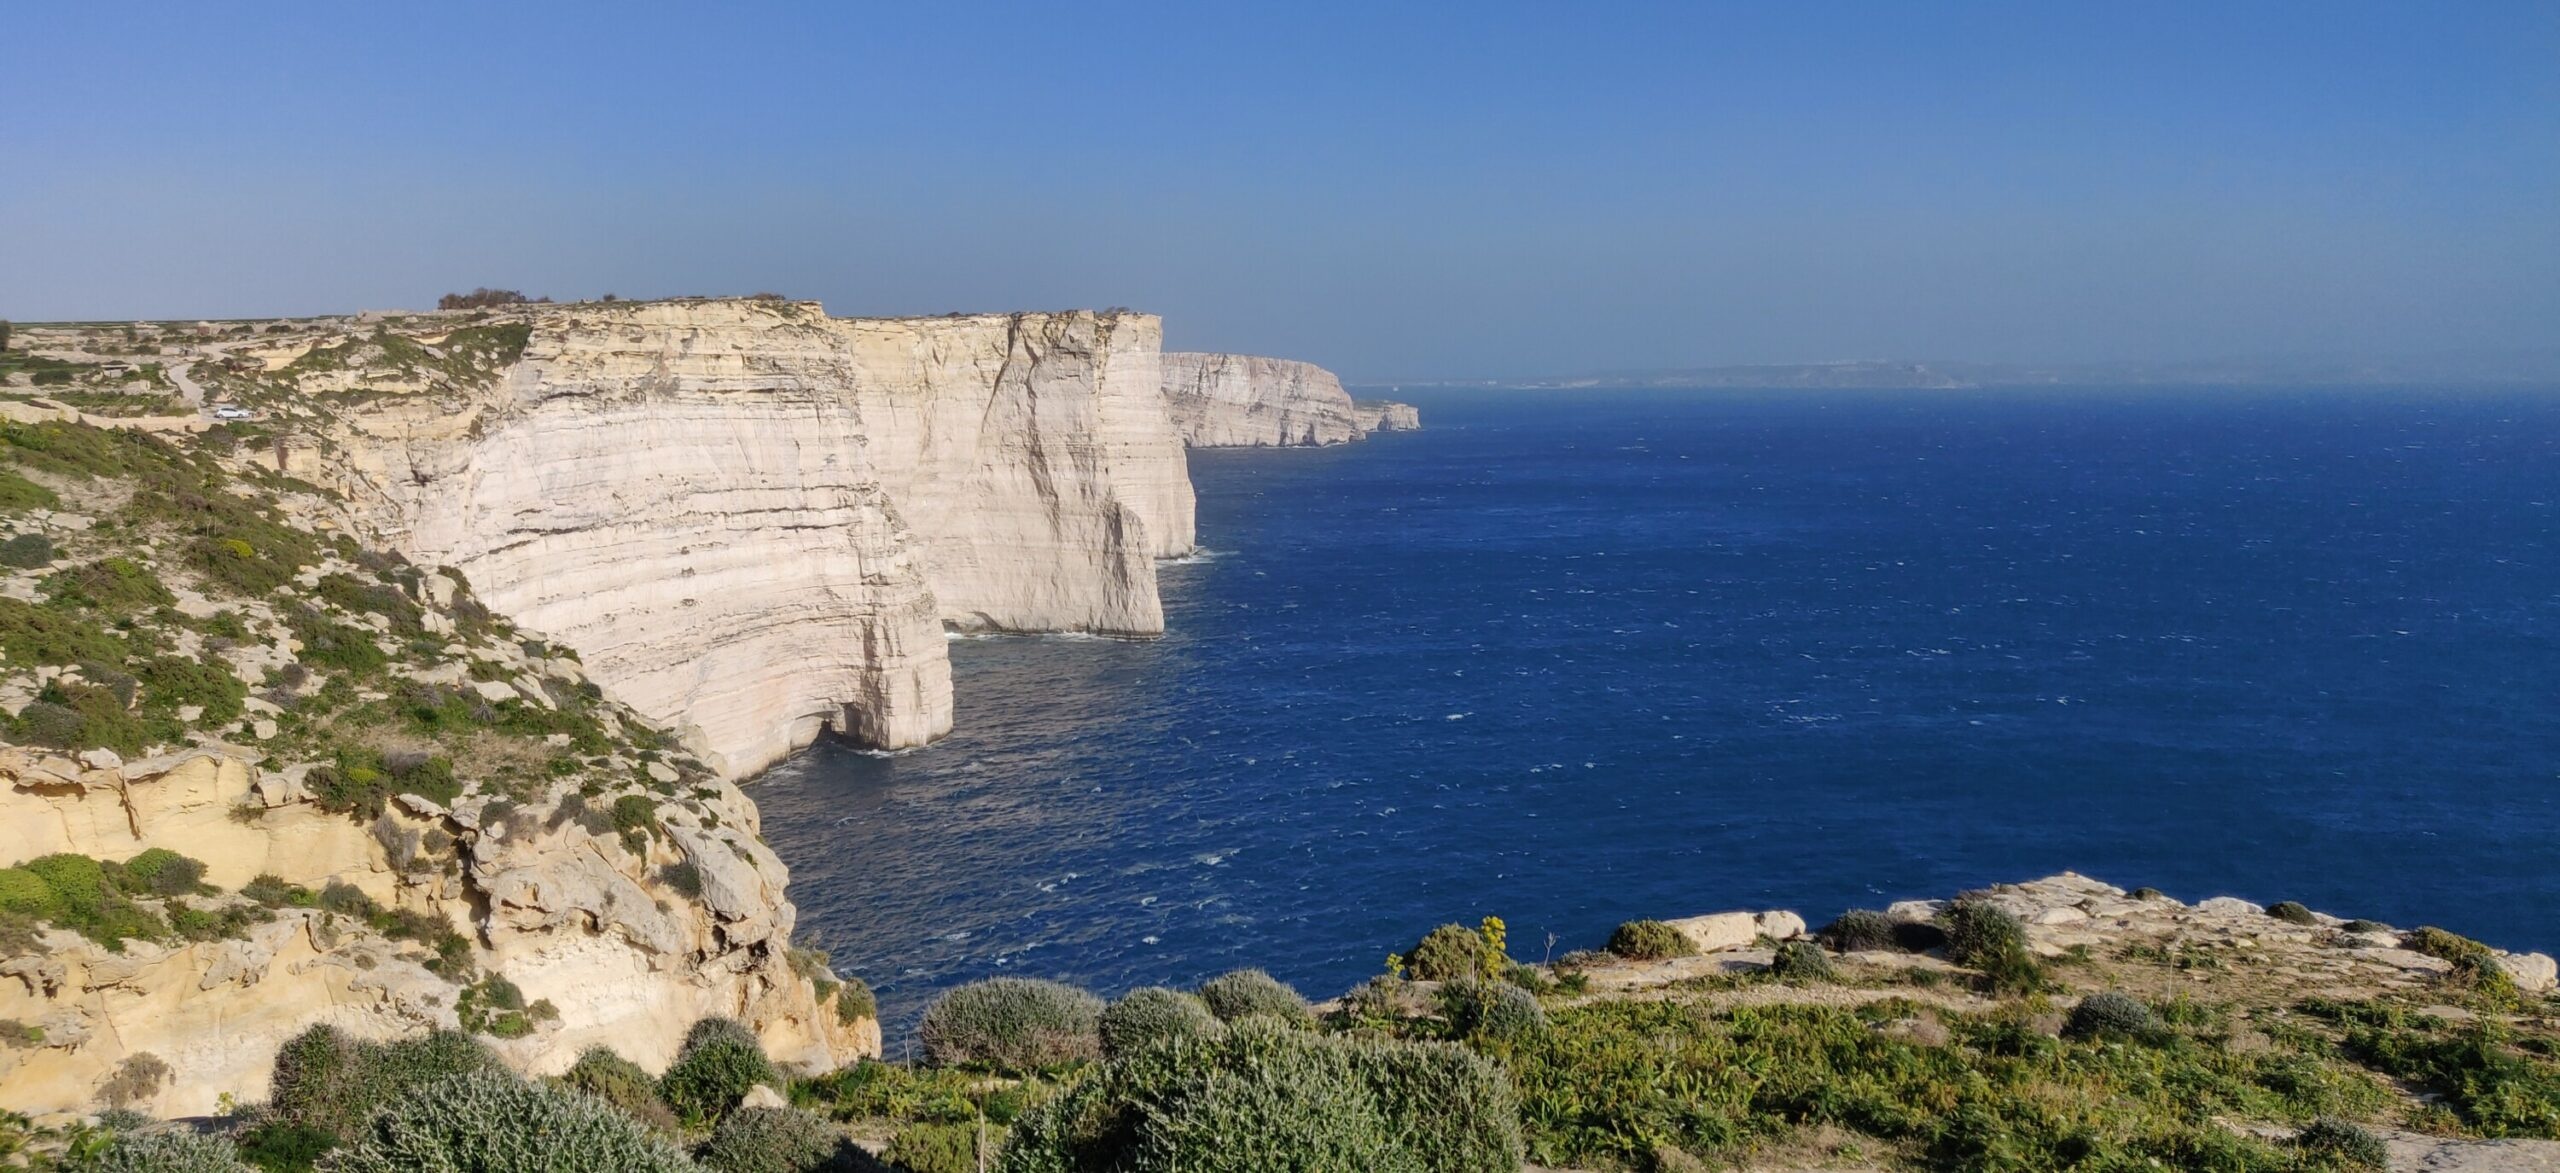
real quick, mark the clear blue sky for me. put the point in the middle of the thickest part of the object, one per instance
(1390, 190)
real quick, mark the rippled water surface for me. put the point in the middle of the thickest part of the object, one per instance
(1572, 658)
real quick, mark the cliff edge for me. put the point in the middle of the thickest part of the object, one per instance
(1244, 401)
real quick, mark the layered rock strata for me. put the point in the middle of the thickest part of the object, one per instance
(754, 521)
(1244, 401)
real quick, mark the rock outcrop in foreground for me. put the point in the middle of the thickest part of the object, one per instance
(1243, 401)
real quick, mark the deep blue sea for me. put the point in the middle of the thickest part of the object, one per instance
(1573, 657)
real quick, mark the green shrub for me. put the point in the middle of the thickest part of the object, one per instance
(327, 643)
(934, 1148)
(1650, 940)
(281, 1147)
(1447, 952)
(855, 1002)
(27, 551)
(78, 897)
(1016, 1024)
(346, 899)
(1859, 930)
(2361, 925)
(873, 1090)
(1491, 1010)
(158, 871)
(492, 1122)
(54, 726)
(2342, 1145)
(331, 1083)
(2474, 964)
(2292, 912)
(1986, 937)
(115, 585)
(774, 1140)
(23, 891)
(1146, 1015)
(1803, 962)
(609, 1077)
(169, 1151)
(721, 1061)
(1262, 1096)
(1234, 995)
(2110, 1014)
(31, 633)
(270, 890)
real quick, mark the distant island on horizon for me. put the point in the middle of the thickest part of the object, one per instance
(2492, 369)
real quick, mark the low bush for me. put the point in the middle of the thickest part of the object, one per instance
(1263, 1096)
(331, 1083)
(1801, 961)
(1986, 937)
(1650, 940)
(2474, 964)
(1147, 1015)
(604, 1074)
(2292, 912)
(721, 1061)
(1446, 952)
(74, 892)
(873, 1090)
(493, 1122)
(1232, 996)
(855, 1002)
(1016, 1024)
(27, 551)
(1859, 930)
(1495, 1011)
(2110, 1014)
(169, 1151)
(158, 871)
(2342, 1145)
(934, 1148)
(775, 1140)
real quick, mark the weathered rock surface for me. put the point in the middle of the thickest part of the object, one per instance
(1380, 415)
(753, 520)
(1244, 401)
(559, 905)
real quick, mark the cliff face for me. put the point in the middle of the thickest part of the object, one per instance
(754, 520)
(1386, 415)
(1242, 401)
(572, 916)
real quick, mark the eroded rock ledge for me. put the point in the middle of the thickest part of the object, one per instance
(1244, 401)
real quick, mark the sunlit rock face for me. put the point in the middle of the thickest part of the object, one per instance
(754, 521)
(1242, 401)
(574, 914)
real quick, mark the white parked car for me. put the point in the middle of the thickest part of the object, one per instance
(234, 413)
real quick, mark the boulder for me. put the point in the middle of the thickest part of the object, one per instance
(2533, 972)
(1718, 931)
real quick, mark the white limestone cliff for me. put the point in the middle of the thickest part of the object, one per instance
(1245, 401)
(1386, 415)
(754, 521)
